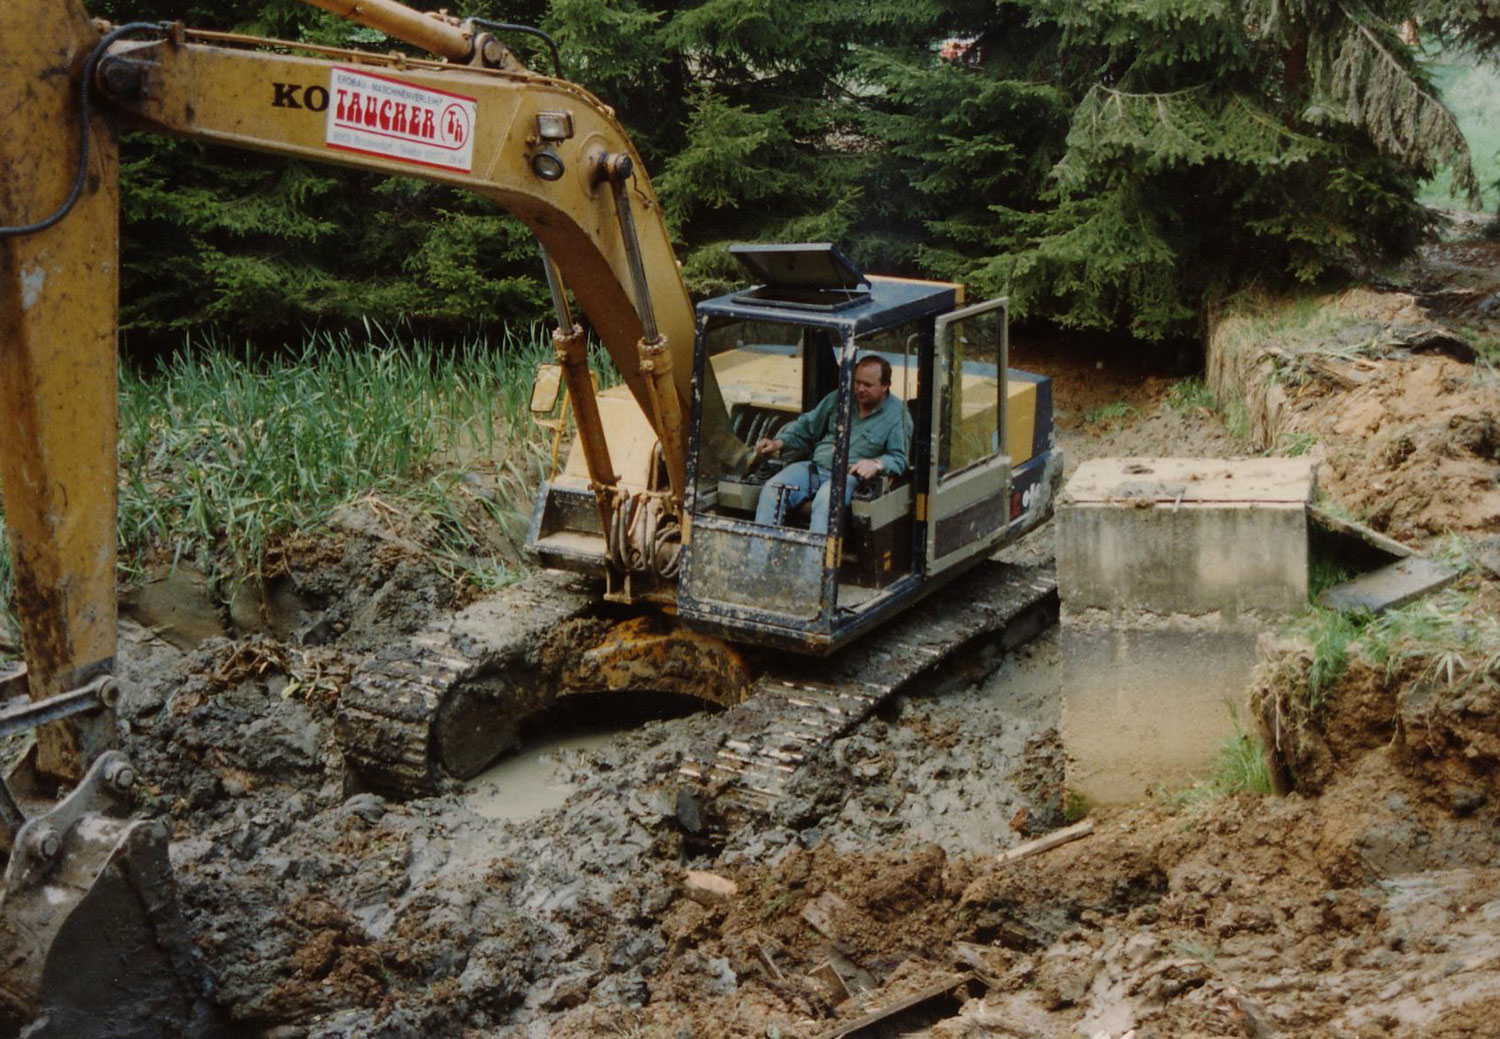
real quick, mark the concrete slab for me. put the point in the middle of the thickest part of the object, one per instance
(1389, 587)
(1146, 709)
(1327, 522)
(1188, 481)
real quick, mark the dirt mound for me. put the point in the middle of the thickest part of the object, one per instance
(372, 573)
(1408, 437)
(1364, 904)
(1367, 910)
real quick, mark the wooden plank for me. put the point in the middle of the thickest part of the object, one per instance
(819, 913)
(931, 999)
(1055, 839)
(1389, 587)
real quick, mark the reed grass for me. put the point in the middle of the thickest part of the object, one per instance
(223, 452)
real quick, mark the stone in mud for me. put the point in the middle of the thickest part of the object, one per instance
(708, 888)
(1064, 973)
(637, 949)
(628, 990)
(286, 739)
(563, 993)
(367, 806)
(491, 980)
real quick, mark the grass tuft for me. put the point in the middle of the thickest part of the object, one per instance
(1295, 445)
(1446, 640)
(1329, 633)
(1237, 418)
(1191, 394)
(1114, 413)
(1240, 768)
(219, 451)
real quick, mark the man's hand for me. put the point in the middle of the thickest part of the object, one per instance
(867, 468)
(765, 446)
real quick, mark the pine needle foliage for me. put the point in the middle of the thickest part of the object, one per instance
(1362, 73)
(1193, 146)
(1114, 164)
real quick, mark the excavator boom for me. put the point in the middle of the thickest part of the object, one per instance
(58, 291)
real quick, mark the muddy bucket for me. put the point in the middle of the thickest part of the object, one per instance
(92, 941)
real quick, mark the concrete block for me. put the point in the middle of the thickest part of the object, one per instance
(1393, 585)
(1146, 707)
(1169, 570)
(1185, 535)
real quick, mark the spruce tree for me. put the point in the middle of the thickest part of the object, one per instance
(1195, 145)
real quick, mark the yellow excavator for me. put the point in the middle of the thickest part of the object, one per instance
(653, 572)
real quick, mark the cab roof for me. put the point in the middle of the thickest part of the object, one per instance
(816, 284)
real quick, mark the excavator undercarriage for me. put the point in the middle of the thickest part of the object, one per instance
(658, 571)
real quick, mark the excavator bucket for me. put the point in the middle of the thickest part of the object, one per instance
(92, 942)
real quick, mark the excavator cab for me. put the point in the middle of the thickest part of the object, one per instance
(982, 465)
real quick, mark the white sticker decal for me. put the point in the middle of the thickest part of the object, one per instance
(377, 115)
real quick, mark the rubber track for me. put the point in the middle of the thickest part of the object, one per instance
(789, 718)
(385, 721)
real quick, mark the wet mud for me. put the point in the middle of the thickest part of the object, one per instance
(1365, 904)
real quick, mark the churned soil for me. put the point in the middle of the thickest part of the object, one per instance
(1364, 904)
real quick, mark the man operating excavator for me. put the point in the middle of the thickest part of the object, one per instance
(877, 446)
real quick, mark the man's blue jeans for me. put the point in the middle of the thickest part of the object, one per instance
(802, 481)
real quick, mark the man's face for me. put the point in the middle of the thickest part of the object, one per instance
(868, 389)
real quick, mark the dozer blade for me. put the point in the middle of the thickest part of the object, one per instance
(93, 944)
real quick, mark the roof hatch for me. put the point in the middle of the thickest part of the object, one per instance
(812, 275)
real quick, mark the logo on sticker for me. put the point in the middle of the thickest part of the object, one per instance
(407, 122)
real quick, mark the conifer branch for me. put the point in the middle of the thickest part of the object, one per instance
(1400, 115)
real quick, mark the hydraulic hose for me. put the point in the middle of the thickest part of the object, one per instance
(85, 91)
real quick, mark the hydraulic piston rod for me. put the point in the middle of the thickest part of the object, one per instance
(431, 32)
(573, 357)
(656, 359)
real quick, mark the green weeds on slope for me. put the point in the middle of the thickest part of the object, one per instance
(222, 454)
(1448, 640)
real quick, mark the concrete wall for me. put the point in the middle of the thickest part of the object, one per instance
(1169, 570)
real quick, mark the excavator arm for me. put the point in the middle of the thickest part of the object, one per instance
(542, 148)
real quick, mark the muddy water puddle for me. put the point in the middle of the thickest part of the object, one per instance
(536, 779)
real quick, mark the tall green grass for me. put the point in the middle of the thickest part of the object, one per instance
(222, 453)
(1191, 394)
